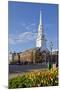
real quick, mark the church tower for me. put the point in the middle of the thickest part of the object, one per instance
(41, 41)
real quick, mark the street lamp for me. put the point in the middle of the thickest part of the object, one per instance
(50, 62)
(51, 47)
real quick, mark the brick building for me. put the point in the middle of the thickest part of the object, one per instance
(33, 55)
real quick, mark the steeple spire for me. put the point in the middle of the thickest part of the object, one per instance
(40, 42)
(40, 27)
(40, 17)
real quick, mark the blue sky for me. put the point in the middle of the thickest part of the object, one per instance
(23, 21)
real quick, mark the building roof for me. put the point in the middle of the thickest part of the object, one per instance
(36, 49)
(55, 52)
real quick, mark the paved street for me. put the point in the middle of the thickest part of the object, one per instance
(24, 68)
(17, 70)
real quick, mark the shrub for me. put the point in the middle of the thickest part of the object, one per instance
(35, 79)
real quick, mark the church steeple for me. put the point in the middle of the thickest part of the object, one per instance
(40, 42)
(40, 27)
(40, 17)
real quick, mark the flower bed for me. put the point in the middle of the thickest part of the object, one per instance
(35, 79)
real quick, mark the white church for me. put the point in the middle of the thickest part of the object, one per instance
(35, 55)
(41, 40)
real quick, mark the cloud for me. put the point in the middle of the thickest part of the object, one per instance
(11, 39)
(30, 26)
(22, 38)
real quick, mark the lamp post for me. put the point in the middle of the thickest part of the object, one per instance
(50, 61)
(51, 47)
